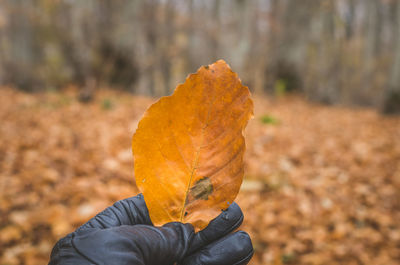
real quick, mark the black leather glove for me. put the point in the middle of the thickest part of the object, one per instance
(123, 234)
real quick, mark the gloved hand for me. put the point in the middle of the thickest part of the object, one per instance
(123, 234)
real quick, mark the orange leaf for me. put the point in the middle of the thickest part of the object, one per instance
(188, 148)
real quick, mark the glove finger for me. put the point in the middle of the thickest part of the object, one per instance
(129, 211)
(138, 244)
(223, 224)
(233, 249)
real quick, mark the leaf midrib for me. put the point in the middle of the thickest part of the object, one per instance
(182, 215)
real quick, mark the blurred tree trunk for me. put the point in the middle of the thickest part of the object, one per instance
(328, 90)
(349, 18)
(149, 22)
(289, 49)
(253, 57)
(373, 29)
(391, 104)
(215, 32)
(190, 64)
(372, 43)
(247, 36)
(243, 19)
(23, 52)
(167, 46)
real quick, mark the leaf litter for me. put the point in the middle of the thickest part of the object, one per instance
(322, 187)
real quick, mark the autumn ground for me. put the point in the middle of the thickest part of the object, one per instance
(321, 186)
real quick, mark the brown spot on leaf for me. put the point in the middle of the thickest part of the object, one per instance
(202, 189)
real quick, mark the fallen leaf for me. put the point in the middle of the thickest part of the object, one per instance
(10, 233)
(188, 148)
(252, 185)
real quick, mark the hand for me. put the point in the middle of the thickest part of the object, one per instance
(124, 234)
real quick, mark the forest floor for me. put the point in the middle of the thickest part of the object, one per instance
(321, 184)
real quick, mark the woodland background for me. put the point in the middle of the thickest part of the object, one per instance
(322, 174)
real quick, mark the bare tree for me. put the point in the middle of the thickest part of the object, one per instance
(333, 51)
(391, 103)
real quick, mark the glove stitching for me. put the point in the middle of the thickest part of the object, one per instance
(80, 253)
(247, 258)
(231, 229)
(200, 245)
(98, 219)
(145, 219)
(116, 214)
(236, 225)
(131, 214)
(60, 244)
